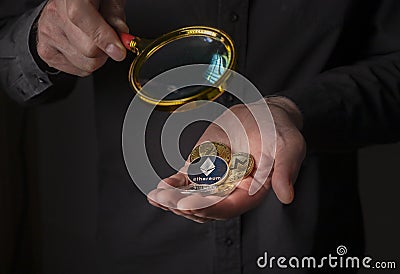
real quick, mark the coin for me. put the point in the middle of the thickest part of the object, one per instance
(204, 190)
(241, 166)
(222, 189)
(211, 149)
(208, 170)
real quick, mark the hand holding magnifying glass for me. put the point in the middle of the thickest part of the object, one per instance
(77, 37)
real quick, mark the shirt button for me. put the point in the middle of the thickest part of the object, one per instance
(228, 241)
(41, 80)
(234, 17)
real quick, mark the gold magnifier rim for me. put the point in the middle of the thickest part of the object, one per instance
(209, 93)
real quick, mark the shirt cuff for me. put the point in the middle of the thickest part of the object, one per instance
(31, 80)
(26, 79)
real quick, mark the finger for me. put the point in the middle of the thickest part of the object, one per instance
(84, 63)
(83, 43)
(287, 165)
(261, 173)
(222, 208)
(113, 12)
(87, 18)
(77, 59)
(158, 205)
(168, 197)
(176, 180)
(196, 201)
(214, 133)
(238, 202)
(151, 199)
(191, 217)
(57, 60)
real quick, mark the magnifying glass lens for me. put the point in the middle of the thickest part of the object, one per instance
(187, 46)
(186, 51)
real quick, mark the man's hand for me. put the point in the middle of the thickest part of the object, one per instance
(77, 36)
(290, 152)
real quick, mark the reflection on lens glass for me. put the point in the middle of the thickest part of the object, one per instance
(218, 65)
(186, 51)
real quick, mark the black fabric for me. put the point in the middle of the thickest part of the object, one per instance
(338, 60)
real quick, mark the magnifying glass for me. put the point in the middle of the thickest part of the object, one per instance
(186, 46)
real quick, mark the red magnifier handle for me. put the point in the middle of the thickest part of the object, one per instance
(126, 40)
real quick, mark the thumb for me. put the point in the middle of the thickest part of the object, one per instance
(113, 12)
(286, 168)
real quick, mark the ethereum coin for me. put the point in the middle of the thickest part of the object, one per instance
(241, 166)
(208, 170)
(211, 149)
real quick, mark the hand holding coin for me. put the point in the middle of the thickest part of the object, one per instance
(290, 152)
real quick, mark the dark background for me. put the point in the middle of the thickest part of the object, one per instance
(48, 206)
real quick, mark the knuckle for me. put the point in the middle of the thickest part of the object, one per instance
(73, 12)
(98, 36)
(45, 52)
(90, 50)
(49, 23)
(93, 64)
(90, 66)
(44, 29)
(51, 6)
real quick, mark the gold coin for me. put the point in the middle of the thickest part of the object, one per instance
(211, 149)
(225, 189)
(241, 166)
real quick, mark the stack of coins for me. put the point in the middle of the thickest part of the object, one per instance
(214, 170)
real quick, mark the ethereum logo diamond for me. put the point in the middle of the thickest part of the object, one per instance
(207, 167)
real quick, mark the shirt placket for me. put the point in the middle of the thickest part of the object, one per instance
(233, 19)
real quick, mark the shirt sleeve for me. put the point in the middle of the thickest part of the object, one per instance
(357, 104)
(21, 77)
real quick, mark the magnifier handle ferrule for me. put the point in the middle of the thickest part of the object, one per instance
(129, 41)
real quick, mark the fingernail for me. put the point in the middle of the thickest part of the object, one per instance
(115, 52)
(254, 188)
(290, 194)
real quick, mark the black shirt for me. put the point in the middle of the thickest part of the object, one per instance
(338, 60)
